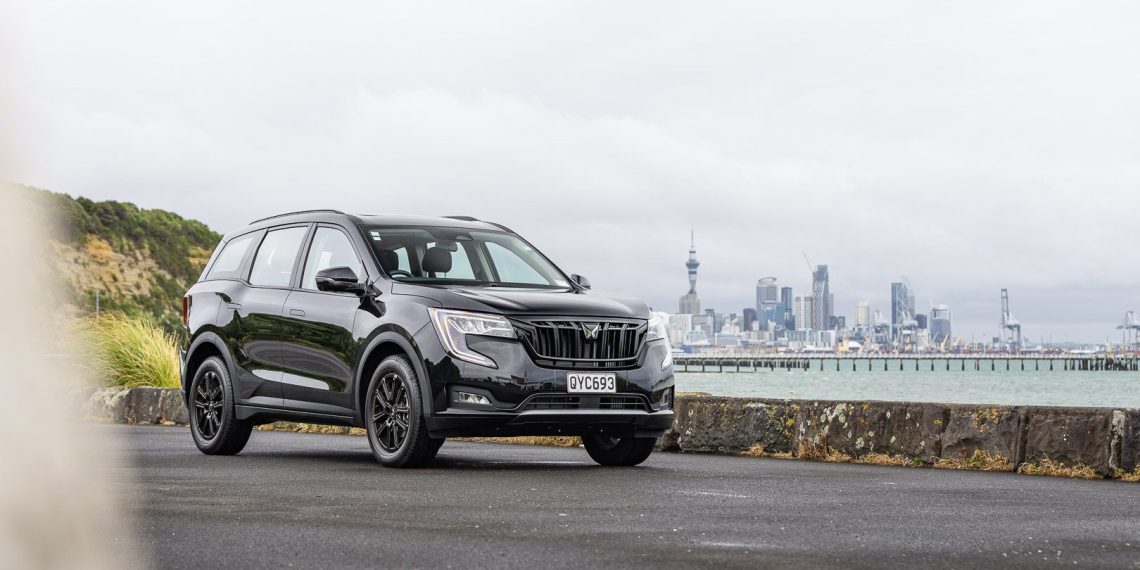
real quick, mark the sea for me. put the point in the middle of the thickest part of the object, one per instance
(1013, 387)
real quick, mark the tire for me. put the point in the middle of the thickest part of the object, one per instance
(394, 418)
(623, 451)
(215, 428)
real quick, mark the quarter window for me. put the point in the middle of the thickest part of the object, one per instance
(229, 259)
(273, 266)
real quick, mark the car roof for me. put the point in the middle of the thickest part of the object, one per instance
(336, 216)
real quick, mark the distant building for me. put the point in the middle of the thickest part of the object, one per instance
(804, 315)
(920, 321)
(939, 324)
(786, 300)
(690, 303)
(821, 299)
(863, 314)
(767, 301)
(748, 318)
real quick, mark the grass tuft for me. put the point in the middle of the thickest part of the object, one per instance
(887, 459)
(551, 440)
(131, 352)
(1131, 477)
(1049, 468)
(979, 461)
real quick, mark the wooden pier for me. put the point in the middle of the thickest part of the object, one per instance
(915, 362)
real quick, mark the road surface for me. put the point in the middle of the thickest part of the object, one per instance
(319, 501)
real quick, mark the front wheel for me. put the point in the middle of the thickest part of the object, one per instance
(394, 416)
(618, 451)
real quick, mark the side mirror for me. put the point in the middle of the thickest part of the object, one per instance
(339, 280)
(580, 280)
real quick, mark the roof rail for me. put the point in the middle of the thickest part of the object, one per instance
(464, 218)
(327, 211)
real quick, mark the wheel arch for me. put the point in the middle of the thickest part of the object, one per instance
(206, 345)
(387, 344)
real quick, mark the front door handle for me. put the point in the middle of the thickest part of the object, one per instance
(234, 306)
(296, 312)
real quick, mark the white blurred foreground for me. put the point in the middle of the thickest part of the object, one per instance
(55, 512)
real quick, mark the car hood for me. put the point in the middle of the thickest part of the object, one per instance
(537, 302)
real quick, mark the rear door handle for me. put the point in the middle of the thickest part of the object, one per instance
(296, 312)
(234, 306)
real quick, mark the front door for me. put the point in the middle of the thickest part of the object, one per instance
(321, 353)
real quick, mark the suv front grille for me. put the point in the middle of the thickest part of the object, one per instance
(563, 343)
(586, 402)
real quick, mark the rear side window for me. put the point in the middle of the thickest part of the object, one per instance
(228, 263)
(273, 266)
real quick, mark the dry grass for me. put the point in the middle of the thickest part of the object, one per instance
(757, 450)
(979, 461)
(813, 452)
(550, 440)
(887, 459)
(1133, 477)
(297, 427)
(1050, 468)
(131, 352)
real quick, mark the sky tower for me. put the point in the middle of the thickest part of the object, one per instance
(690, 304)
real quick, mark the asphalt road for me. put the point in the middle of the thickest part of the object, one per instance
(319, 501)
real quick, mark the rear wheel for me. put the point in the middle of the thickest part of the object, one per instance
(618, 451)
(394, 416)
(215, 428)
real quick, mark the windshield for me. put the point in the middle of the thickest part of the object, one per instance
(465, 257)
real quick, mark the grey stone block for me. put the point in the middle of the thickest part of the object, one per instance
(1129, 438)
(858, 428)
(1070, 436)
(143, 406)
(173, 408)
(109, 404)
(995, 430)
(732, 425)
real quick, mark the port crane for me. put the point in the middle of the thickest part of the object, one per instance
(1131, 329)
(1010, 327)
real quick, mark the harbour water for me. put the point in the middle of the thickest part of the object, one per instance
(1014, 387)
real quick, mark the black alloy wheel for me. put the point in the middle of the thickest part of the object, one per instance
(213, 423)
(391, 413)
(393, 410)
(208, 404)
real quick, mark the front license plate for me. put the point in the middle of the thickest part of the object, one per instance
(591, 383)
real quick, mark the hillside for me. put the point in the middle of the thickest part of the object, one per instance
(140, 261)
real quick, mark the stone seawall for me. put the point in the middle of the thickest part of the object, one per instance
(1105, 440)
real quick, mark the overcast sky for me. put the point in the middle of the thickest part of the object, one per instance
(968, 146)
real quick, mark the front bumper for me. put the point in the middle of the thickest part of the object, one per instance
(527, 399)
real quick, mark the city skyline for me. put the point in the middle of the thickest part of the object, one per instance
(900, 301)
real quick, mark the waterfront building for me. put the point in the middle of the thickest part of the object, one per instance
(821, 298)
(920, 320)
(863, 314)
(939, 324)
(803, 313)
(679, 328)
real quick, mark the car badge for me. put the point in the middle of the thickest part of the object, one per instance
(591, 330)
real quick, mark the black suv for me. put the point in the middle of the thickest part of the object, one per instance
(416, 329)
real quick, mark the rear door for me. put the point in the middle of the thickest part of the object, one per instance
(252, 317)
(321, 353)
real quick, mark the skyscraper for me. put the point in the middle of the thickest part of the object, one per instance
(767, 302)
(803, 313)
(821, 299)
(786, 299)
(690, 304)
(939, 324)
(863, 314)
(902, 309)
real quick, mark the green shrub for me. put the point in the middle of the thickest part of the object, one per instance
(131, 352)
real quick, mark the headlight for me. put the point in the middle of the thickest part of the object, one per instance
(454, 327)
(658, 333)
